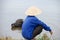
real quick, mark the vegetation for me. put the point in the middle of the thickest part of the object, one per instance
(44, 37)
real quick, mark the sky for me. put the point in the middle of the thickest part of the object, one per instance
(11, 10)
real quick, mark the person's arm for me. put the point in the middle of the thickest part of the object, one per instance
(39, 22)
(47, 28)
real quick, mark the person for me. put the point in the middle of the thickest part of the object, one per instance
(32, 23)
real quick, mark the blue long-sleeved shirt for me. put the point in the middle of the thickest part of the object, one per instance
(29, 24)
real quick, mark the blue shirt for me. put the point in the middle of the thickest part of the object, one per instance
(30, 23)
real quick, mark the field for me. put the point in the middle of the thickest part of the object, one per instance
(43, 37)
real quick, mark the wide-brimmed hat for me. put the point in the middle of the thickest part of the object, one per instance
(33, 10)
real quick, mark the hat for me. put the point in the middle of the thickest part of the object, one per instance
(32, 11)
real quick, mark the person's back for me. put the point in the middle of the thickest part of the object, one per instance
(28, 26)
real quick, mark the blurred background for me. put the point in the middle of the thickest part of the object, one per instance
(11, 10)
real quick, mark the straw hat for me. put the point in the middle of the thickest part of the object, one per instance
(32, 11)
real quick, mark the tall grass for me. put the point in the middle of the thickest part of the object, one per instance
(44, 37)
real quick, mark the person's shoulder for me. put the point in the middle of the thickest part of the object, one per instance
(34, 19)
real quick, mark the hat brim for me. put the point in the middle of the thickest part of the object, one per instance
(33, 11)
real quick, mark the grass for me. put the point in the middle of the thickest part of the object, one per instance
(44, 37)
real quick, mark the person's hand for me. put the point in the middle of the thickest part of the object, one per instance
(51, 32)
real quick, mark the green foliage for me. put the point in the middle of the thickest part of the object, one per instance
(44, 37)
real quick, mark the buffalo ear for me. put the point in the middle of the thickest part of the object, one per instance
(19, 21)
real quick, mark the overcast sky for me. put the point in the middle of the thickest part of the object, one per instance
(10, 10)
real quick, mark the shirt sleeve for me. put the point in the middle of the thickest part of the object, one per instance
(39, 22)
